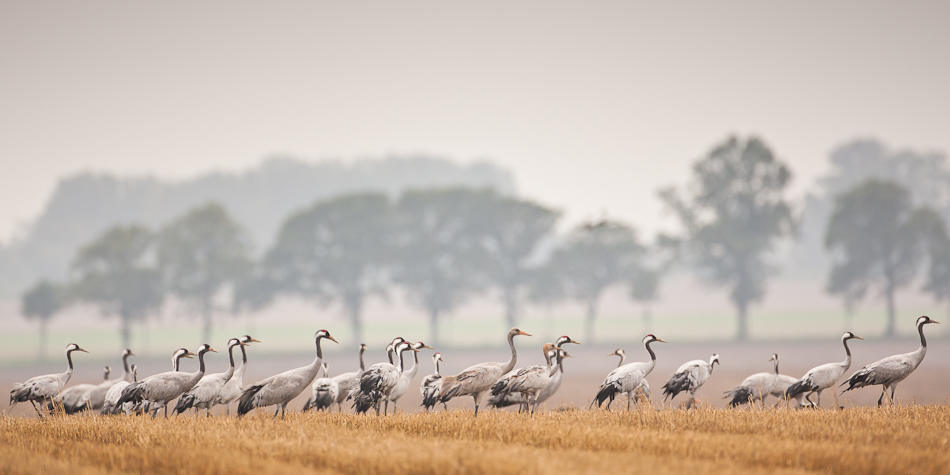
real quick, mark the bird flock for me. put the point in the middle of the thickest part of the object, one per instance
(381, 384)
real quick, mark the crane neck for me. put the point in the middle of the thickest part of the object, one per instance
(436, 366)
(127, 374)
(557, 367)
(415, 365)
(201, 362)
(230, 371)
(847, 354)
(362, 365)
(243, 355)
(623, 358)
(776, 366)
(514, 355)
(69, 362)
(652, 354)
(923, 340)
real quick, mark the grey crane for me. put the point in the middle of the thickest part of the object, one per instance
(73, 399)
(203, 394)
(530, 380)
(405, 378)
(690, 376)
(232, 390)
(823, 377)
(115, 392)
(506, 399)
(160, 389)
(431, 385)
(505, 385)
(478, 379)
(756, 387)
(347, 382)
(641, 392)
(627, 377)
(372, 398)
(96, 397)
(325, 391)
(44, 388)
(890, 371)
(378, 381)
(282, 388)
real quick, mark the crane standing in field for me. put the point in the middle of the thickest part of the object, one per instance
(505, 399)
(95, 398)
(823, 377)
(378, 382)
(405, 378)
(160, 389)
(530, 380)
(115, 392)
(689, 377)
(641, 392)
(347, 382)
(627, 377)
(203, 394)
(325, 391)
(232, 389)
(890, 371)
(73, 398)
(756, 387)
(44, 388)
(282, 388)
(431, 385)
(475, 380)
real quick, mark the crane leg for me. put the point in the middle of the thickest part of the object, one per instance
(819, 398)
(394, 406)
(38, 413)
(882, 396)
(477, 397)
(893, 389)
(275, 412)
(228, 405)
(386, 407)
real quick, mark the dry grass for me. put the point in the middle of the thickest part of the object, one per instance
(909, 439)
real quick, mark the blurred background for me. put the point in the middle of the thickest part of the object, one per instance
(181, 172)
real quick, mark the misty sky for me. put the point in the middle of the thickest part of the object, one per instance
(591, 104)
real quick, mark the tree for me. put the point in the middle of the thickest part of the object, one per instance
(334, 250)
(116, 273)
(734, 214)
(645, 283)
(440, 262)
(510, 231)
(199, 253)
(41, 302)
(877, 239)
(593, 259)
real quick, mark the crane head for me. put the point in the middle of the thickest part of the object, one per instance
(127, 352)
(204, 348)
(618, 352)
(324, 334)
(74, 347)
(849, 335)
(714, 359)
(651, 338)
(437, 357)
(566, 339)
(248, 339)
(925, 320)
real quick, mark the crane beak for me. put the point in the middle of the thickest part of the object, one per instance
(659, 340)
(611, 354)
(82, 350)
(212, 349)
(333, 339)
(525, 333)
(575, 342)
(255, 341)
(934, 321)
(190, 354)
(427, 346)
(132, 354)
(858, 337)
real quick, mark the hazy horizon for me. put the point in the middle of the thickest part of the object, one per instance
(591, 106)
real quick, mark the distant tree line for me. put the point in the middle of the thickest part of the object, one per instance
(444, 246)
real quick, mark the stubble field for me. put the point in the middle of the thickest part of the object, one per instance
(902, 439)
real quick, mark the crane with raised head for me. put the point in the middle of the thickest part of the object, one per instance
(282, 388)
(160, 389)
(476, 380)
(505, 399)
(890, 371)
(641, 392)
(378, 381)
(405, 378)
(431, 385)
(109, 406)
(627, 377)
(823, 377)
(95, 398)
(44, 388)
(347, 382)
(203, 394)
(232, 389)
(530, 380)
(73, 399)
(690, 376)
(325, 391)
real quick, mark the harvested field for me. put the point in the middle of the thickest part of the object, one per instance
(902, 439)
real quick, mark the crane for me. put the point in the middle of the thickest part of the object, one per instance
(627, 377)
(73, 399)
(325, 391)
(203, 394)
(475, 380)
(96, 397)
(347, 382)
(529, 381)
(44, 388)
(232, 389)
(890, 371)
(756, 387)
(378, 381)
(823, 377)
(690, 376)
(506, 399)
(431, 385)
(641, 392)
(160, 389)
(115, 392)
(502, 388)
(405, 378)
(282, 388)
